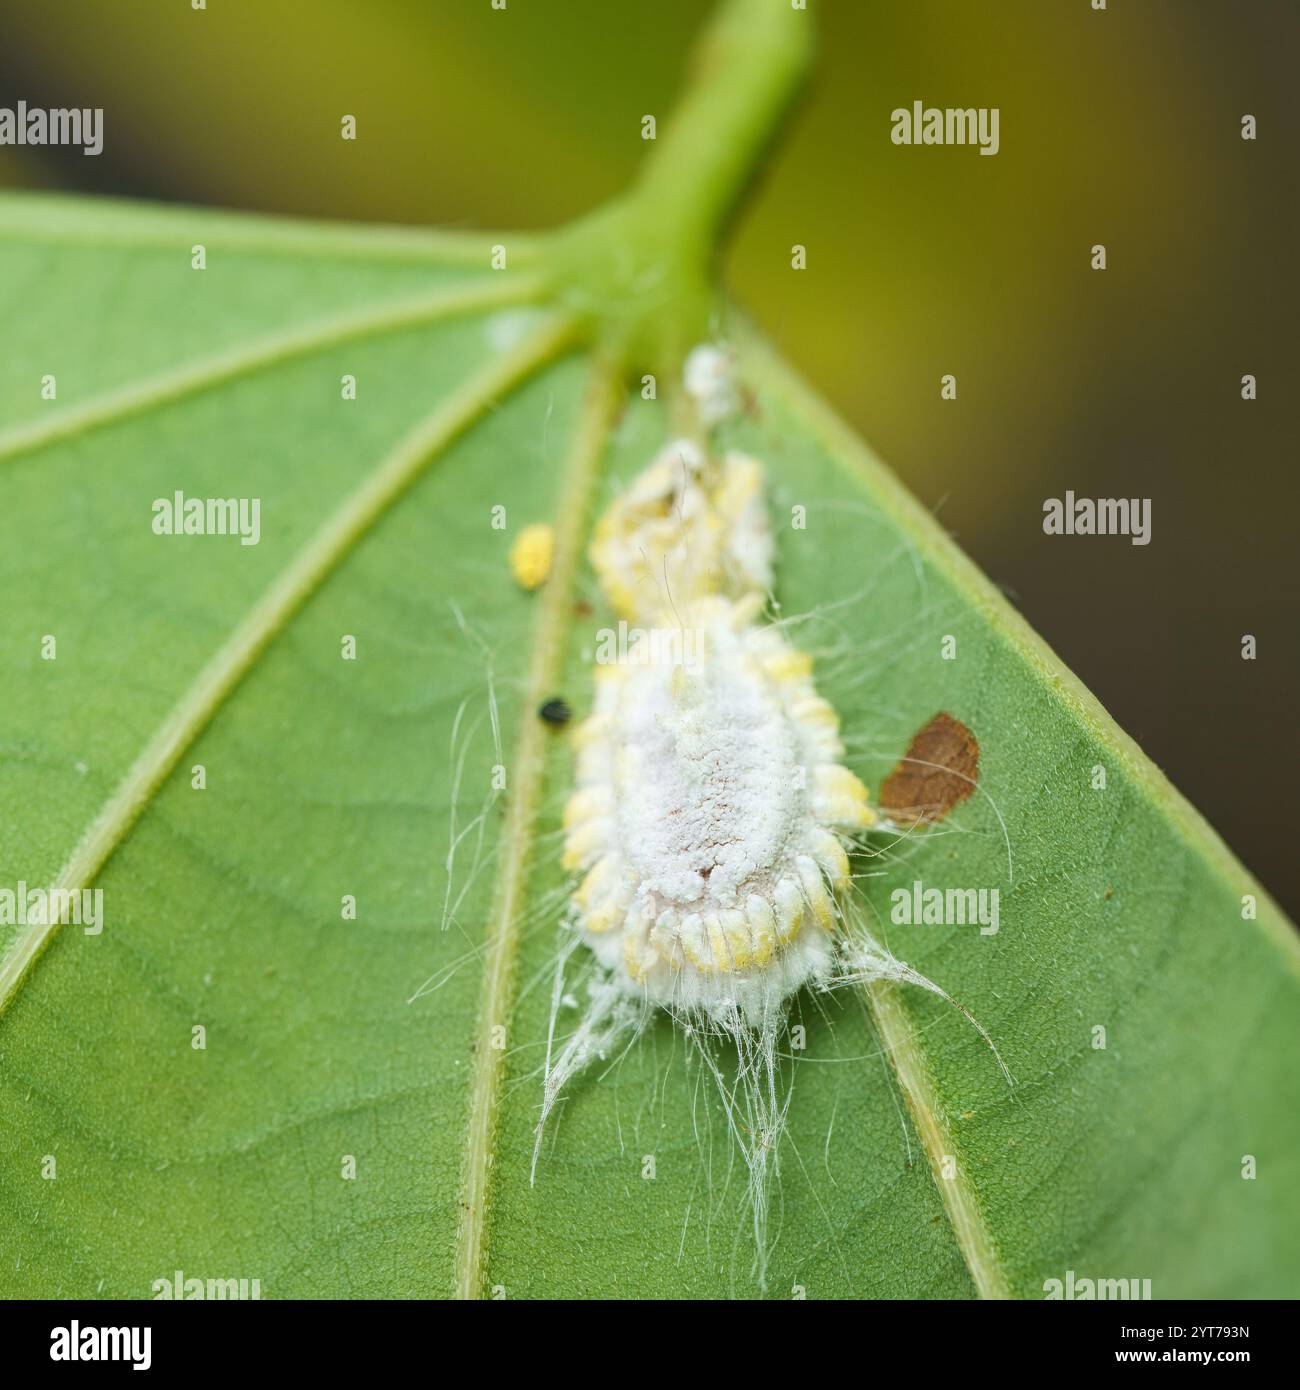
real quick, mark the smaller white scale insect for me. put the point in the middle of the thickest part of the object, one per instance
(711, 815)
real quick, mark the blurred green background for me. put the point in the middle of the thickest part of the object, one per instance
(1120, 127)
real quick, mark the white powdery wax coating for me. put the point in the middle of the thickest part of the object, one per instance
(708, 799)
(708, 375)
(707, 778)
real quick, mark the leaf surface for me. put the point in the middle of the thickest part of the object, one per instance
(329, 1040)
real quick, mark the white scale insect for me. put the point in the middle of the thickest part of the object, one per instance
(711, 815)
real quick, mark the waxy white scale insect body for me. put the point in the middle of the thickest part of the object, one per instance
(708, 800)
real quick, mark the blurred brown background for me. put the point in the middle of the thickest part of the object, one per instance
(1120, 127)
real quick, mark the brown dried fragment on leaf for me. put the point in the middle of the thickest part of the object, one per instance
(940, 768)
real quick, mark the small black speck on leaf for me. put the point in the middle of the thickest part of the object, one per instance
(555, 712)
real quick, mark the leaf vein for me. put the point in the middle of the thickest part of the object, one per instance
(548, 653)
(268, 616)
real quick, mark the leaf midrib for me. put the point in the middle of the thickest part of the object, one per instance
(549, 652)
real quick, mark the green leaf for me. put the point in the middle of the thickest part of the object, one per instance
(377, 1039)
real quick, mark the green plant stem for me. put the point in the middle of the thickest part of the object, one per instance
(642, 266)
(743, 77)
